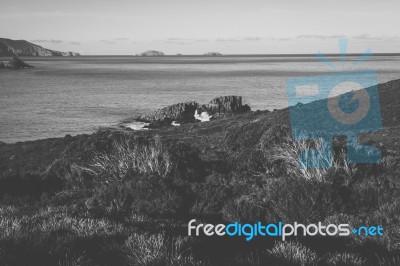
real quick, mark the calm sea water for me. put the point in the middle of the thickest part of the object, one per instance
(77, 95)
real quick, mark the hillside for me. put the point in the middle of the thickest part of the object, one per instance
(10, 47)
(100, 198)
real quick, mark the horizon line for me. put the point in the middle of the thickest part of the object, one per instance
(222, 55)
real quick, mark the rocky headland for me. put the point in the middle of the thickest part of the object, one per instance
(184, 113)
(10, 47)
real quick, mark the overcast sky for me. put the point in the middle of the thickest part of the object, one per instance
(197, 26)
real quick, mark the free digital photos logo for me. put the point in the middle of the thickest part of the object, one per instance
(354, 112)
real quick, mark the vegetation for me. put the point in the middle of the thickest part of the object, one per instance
(120, 197)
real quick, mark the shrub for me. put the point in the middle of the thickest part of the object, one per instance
(143, 195)
(286, 199)
(249, 259)
(290, 153)
(246, 208)
(127, 157)
(344, 259)
(69, 259)
(146, 250)
(293, 253)
(157, 250)
(209, 199)
(393, 260)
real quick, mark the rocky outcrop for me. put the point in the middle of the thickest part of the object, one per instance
(10, 47)
(71, 54)
(186, 112)
(212, 54)
(224, 105)
(181, 112)
(152, 53)
(16, 63)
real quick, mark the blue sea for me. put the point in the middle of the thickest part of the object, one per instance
(63, 95)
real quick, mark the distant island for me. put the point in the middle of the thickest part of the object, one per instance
(10, 47)
(151, 53)
(213, 54)
(159, 53)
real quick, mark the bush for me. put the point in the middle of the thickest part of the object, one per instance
(209, 199)
(313, 167)
(287, 200)
(128, 157)
(157, 250)
(142, 195)
(245, 209)
(293, 253)
(344, 259)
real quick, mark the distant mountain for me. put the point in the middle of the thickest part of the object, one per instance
(10, 47)
(152, 53)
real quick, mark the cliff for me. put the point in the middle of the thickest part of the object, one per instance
(10, 47)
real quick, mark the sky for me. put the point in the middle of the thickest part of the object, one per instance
(126, 27)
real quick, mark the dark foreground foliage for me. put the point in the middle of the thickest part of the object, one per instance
(120, 197)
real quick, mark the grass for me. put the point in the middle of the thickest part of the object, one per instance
(157, 249)
(118, 197)
(318, 162)
(128, 157)
(343, 259)
(294, 253)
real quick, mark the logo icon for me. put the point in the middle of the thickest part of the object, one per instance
(342, 103)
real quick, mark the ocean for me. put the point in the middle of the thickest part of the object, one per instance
(74, 95)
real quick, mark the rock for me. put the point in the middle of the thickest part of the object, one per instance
(2, 65)
(213, 54)
(189, 112)
(16, 63)
(224, 105)
(152, 53)
(181, 113)
(71, 54)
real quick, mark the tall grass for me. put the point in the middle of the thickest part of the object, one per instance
(127, 157)
(343, 259)
(293, 253)
(317, 166)
(157, 249)
(48, 220)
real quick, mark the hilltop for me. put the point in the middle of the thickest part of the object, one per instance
(10, 47)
